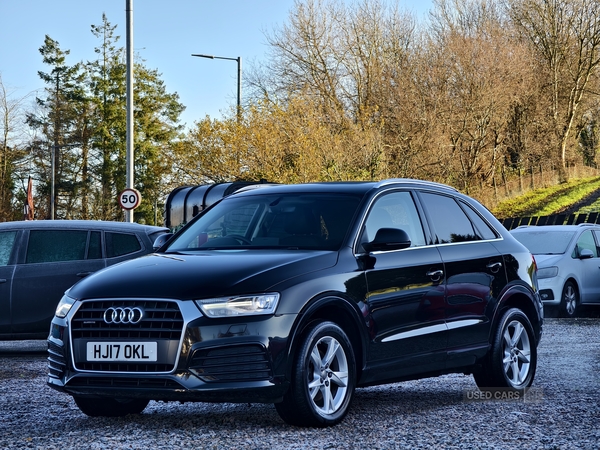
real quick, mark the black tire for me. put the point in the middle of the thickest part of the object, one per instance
(110, 407)
(569, 300)
(512, 360)
(320, 396)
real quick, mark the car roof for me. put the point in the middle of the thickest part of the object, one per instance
(349, 187)
(79, 225)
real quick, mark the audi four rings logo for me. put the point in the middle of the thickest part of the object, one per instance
(123, 315)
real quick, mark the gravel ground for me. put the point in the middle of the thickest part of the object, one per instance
(561, 411)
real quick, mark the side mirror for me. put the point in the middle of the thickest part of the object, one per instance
(161, 240)
(586, 253)
(388, 239)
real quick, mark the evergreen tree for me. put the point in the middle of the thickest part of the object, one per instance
(156, 115)
(59, 120)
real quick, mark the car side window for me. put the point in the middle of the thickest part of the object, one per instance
(56, 245)
(586, 241)
(450, 222)
(7, 240)
(395, 210)
(597, 236)
(119, 244)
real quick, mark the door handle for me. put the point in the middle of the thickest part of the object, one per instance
(83, 274)
(2, 280)
(494, 267)
(435, 275)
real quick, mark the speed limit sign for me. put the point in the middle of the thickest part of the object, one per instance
(130, 198)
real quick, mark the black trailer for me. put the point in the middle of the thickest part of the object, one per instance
(185, 202)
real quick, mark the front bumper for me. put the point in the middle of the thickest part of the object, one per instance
(550, 291)
(198, 359)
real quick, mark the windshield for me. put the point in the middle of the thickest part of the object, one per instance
(545, 242)
(298, 221)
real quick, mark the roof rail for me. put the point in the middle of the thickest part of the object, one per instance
(254, 186)
(416, 181)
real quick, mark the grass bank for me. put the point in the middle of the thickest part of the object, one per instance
(550, 200)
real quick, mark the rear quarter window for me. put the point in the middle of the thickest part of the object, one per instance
(481, 227)
(119, 244)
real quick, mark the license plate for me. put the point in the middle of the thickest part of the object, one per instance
(121, 351)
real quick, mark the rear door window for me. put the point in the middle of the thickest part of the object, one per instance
(7, 240)
(449, 220)
(118, 244)
(56, 245)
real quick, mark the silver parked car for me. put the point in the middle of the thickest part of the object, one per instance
(568, 263)
(41, 259)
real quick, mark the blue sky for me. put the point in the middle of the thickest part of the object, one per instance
(165, 34)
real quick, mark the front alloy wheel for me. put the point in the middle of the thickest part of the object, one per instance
(324, 378)
(512, 359)
(327, 376)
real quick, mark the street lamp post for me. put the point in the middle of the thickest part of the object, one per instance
(239, 77)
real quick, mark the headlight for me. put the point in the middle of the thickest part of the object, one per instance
(241, 305)
(64, 306)
(547, 272)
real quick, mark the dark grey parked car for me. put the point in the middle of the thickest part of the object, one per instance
(40, 260)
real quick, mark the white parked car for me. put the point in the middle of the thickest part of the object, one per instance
(568, 263)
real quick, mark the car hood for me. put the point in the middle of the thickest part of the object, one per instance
(547, 260)
(203, 275)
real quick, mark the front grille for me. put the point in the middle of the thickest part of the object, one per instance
(151, 383)
(235, 363)
(56, 360)
(162, 320)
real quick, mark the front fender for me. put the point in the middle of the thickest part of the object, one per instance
(335, 308)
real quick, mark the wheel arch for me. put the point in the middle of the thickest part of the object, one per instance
(573, 280)
(340, 311)
(520, 298)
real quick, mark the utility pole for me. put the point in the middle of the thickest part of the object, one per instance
(129, 124)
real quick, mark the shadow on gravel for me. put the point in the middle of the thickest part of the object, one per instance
(400, 399)
(586, 311)
(175, 417)
(392, 400)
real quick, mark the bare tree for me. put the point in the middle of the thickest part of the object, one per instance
(566, 37)
(12, 122)
(305, 57)
(476, 82)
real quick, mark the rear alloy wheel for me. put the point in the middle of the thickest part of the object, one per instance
(512, 360)
(110, 407)
(569, 300)
(323, 380)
